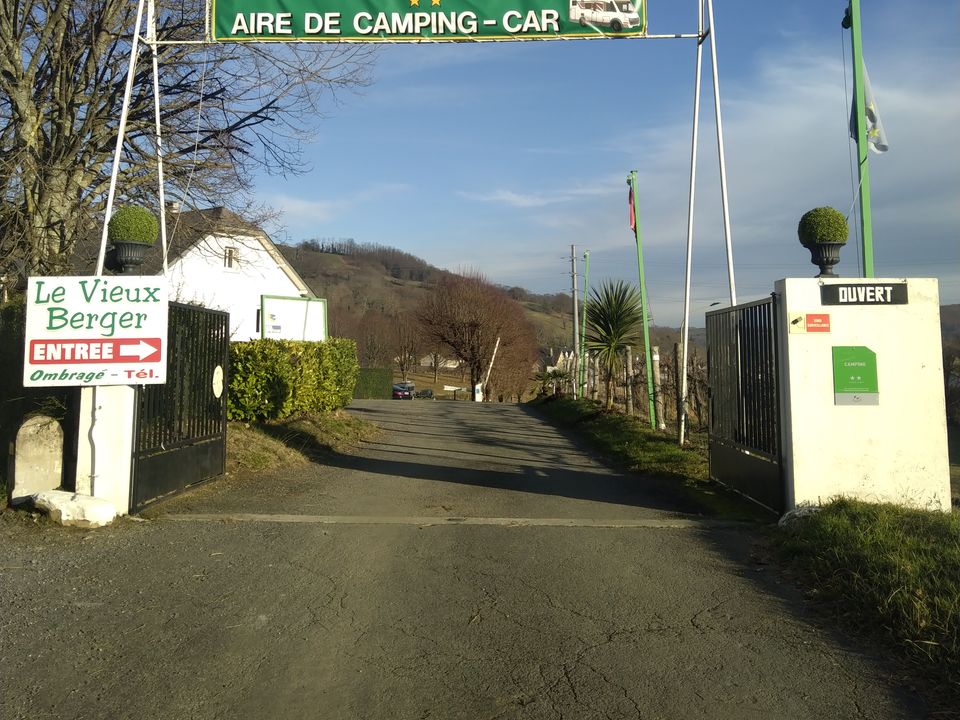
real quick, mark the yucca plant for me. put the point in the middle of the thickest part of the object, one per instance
(614, 317)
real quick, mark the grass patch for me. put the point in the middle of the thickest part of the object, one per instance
(634, 447)
(885, 569)
(249, 449)
(262, 447)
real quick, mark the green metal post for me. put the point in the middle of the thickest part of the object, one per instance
(632, 182)
(863, 165)
(583, 326)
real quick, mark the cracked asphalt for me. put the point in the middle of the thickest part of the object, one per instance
(470, 562)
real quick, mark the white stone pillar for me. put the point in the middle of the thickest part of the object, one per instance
(105, 444)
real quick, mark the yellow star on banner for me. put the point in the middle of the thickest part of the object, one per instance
(435, 2)
(414, 3)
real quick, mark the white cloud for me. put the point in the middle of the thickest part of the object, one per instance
(787, 150)
(302, 215)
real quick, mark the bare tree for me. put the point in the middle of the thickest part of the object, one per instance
(408, 343)
(227, 109)
(468, 314)
(374, 344)
(516, 361)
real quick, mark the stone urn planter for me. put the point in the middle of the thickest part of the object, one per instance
(132, 231)
(823, 231)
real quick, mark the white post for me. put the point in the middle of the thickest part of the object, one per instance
(490, 366)
(723, 165)
(124, 111)
(685, 328)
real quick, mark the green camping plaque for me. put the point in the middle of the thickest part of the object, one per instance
(855, 376)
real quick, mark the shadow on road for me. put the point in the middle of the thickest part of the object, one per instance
(503, 447)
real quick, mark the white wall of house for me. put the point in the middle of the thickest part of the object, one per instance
(231, 273)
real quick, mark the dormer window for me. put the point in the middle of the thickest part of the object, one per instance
(231, 258)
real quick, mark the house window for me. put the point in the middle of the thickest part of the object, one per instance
(231, 259)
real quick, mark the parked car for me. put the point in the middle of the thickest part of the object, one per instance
(403, 391)
(425, 394)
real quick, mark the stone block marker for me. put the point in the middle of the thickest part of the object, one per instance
(67, 508)
(38, 458)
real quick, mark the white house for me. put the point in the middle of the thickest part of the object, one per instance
(219, 260)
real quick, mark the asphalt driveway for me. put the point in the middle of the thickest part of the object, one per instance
(471, 562)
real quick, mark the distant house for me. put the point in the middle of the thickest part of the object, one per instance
(219, 260)
(443, 363)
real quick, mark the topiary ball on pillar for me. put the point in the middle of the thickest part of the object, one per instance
(823, 231)
(132, 231)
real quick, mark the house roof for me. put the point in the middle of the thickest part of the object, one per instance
(185, 230)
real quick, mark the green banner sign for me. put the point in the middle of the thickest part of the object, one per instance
(425, 20)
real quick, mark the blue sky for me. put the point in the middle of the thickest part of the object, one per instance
(498, 157)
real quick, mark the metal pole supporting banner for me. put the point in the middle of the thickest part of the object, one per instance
(723, 163)
(685, 327)
(632, 182)
(124, 112)
(152, 41)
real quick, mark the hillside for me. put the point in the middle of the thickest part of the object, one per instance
(950, 321)
(368, 286)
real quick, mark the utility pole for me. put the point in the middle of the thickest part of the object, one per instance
(851, 20)
(576, 331)
(583, 327)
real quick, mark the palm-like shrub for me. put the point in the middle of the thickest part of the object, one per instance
(614, 315)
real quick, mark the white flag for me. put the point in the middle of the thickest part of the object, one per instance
(876, 137)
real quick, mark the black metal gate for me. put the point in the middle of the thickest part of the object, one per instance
(745, 401)
(181, 426)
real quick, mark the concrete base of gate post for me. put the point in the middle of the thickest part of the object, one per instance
(105, 444)
(74, 510)
(37, 459)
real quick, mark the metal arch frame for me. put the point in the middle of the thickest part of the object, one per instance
(704, 33)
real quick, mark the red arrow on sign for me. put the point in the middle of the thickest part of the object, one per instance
(86, 351)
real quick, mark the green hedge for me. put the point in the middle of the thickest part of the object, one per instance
(274, 379)
(374, 384)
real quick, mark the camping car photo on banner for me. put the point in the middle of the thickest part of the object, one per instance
(95, 331)
(426, 20)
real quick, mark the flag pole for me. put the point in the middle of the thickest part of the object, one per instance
(635, 207)
(852, 21)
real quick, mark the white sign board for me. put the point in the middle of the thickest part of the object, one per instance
(95, 331)
(293, 318)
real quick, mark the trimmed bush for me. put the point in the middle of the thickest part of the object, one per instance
(374, 384)
(822, 225)
(274, 379)
(133, 224)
